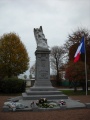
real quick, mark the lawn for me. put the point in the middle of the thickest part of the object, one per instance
(71, 92)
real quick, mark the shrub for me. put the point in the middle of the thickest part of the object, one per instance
(12, 85)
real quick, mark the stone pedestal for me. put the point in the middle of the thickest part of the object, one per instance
(42, 87)
(42, 74)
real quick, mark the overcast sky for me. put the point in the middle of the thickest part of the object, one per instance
(57, 17)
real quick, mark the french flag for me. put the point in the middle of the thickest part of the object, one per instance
(80, 50)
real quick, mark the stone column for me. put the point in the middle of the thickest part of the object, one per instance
(42, 74)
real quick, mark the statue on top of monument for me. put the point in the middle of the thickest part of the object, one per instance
(40, 38)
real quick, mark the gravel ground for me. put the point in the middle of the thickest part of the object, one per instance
(75, 114)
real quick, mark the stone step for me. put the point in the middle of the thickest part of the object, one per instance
(46, 84)
(49, 97)
(44, 88)
(43, 83)
(28, 92)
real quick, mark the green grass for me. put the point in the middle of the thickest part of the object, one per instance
(71, 92)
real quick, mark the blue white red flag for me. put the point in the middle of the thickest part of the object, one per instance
(80, 50)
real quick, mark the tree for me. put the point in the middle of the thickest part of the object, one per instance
(75, 72)
(56, 58)
(25, 77)
(14, 58)
(73, 42)
(32, 71)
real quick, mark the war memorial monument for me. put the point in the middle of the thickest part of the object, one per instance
(42, 89)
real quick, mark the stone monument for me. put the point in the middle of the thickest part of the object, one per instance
(42, 76)
(42, 87)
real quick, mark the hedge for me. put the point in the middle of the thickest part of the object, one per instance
(12, 85)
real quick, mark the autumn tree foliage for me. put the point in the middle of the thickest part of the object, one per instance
(14, 58)
(56, 58)
(73, 42)
(76, 71)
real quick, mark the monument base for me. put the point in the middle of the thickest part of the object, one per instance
(42, 87)
(51, 93)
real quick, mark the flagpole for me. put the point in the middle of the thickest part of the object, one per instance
(85, 67)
